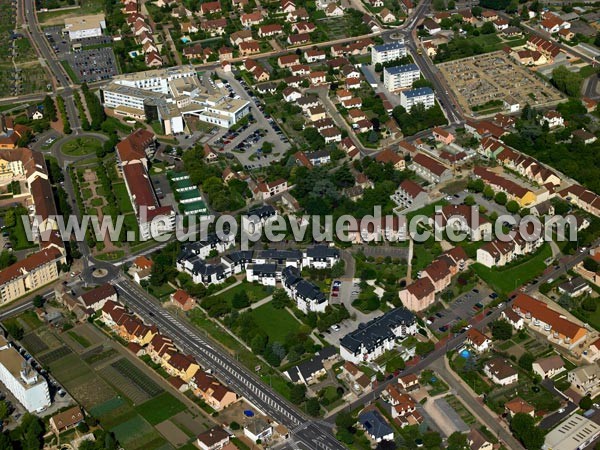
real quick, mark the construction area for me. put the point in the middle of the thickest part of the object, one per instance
(491, 82)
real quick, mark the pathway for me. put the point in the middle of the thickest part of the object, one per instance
(257, 304)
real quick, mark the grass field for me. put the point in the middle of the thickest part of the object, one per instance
(277, 323)
(255, 292)
(123, 201)
(81, 146)
(160, 408)
(506, 280)
(79, 339)
(18, 235)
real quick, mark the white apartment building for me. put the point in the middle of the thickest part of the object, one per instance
(169, 96)
(85, 26)
(412, 97)
(388, 52)
(372, 340)
(400, 77)
(28, 387)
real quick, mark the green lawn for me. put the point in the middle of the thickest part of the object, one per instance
(160, 408)
(254, 291)
(122, 196)
(506, 280)
(277, 323)
(81, 146)
(18, 236)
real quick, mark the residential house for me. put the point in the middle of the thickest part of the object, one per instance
(253, 18)
(410, 195)
(215, 438)
(418, 295)
(258, 429)
(389, 156)
(443, 136)
(539, 316)
(477, 441)
(549, 367)
(97, 297)
(66, 420)
(575, 287)
(182, 300)
(270, 30)
(430, 169)
(500, 371)
(478, 341)
(375, 426)
(518, 406)
(586, 379)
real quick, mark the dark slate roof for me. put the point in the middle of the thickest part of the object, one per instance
(262, 211)
(374, 424)
(280, 255)
(376, 330)
(322, 251)
(241, 256)
(264, 269)
(310, 291)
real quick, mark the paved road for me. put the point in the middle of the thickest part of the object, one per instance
(314, 434)
(483, 414)
(43, 48)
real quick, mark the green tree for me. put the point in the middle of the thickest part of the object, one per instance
(298, 394)
(280, 299)
(38, 301)
(4, 410)
(501, 330)
(240, 300)
(6, 259)
(477, 11)
(338, 269)
(49, 108)
(423, 348)
(586, 402)
(313, 407)
(500, 198)
(526, 430)
(591, 264)
(469, 200)
(488, 193)
(567, 81)
(14, 329)
(589, 304)
(345, 420)
(487, 28)
(457, 440)
(512, 207)
(526, 360)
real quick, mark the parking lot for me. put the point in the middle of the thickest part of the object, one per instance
(93, 65)
(463, 307)
(88, 65)
(248, 153)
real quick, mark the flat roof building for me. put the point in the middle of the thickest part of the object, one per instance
(85, 26)
(422, 95)
(169, 95)
(388, 52)
(575, 433)
(400, 77)
(28, 387)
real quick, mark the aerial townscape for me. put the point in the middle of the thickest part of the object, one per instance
(299, 224)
